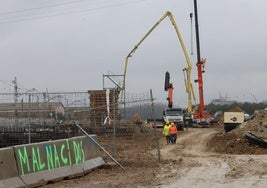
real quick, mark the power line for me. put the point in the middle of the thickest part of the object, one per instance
(50, 6)
(39, 8)
(28, 17)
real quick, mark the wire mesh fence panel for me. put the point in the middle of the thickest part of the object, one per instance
(33, 116)
(28, 116)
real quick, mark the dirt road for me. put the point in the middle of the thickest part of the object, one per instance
(202, 168)
(189, 163)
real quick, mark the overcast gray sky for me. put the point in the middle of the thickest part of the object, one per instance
(67, 45)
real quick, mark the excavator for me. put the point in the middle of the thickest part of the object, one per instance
(182, 118)
(187, 70)
(202, 116)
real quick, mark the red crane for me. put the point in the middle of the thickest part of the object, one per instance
(201, 115)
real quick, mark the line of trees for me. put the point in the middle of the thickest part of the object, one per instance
(247, 107)
(145, 110)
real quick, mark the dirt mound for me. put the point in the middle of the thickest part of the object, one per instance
(234, 141)
(257, 124)
(236, 109)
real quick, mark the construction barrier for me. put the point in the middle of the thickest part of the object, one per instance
(8, 169)
(37, 164)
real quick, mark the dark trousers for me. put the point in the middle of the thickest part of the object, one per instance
(168, 139)
(173, 138)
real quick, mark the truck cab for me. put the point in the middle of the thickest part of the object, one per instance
(174, 115)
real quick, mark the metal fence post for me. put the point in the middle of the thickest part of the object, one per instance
(154, 123)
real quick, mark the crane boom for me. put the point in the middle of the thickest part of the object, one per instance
(201, 113)
(189, 88)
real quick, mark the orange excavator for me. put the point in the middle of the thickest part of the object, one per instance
(202, 116)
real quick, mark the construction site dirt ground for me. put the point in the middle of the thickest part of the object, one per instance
(202, 157)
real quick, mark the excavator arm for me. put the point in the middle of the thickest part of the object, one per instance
(169, 87)
(189, 88)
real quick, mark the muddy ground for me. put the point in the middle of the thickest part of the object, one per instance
(201, 157)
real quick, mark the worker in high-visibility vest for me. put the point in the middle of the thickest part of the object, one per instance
(166, 131)
(173, 133)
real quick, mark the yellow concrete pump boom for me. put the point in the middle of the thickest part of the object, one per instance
(189, 88)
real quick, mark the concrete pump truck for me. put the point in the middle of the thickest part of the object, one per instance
(187, 70)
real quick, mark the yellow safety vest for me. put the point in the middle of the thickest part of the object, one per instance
(166, 130)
